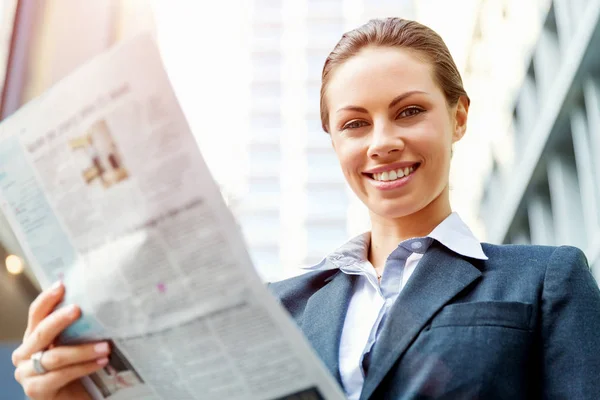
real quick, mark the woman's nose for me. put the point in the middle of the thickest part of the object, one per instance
(385, 141)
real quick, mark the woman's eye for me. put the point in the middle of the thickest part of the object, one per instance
(409, 112)
(354, 125)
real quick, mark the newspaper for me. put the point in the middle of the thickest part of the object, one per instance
(105, 188)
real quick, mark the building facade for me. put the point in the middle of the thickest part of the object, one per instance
(548, 191)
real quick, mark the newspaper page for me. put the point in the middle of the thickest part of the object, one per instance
(105, 187)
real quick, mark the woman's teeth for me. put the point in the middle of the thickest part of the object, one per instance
(393, 175)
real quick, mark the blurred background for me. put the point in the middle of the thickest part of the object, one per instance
(247, 74)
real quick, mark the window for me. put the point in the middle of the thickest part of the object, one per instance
(264, 160)
(318, 141)
(265, 126)
(267, 28)
(328, 203)
(315, 61)
(520, 232)
(325, 33)
(263, 185)
(313, 96)
(267, 262)
(263, 227)
(266, 65)
(323, 166)
(565, 195)
(266, 58)
(263, 193)
(270, 5)
(331, 8)
(266, 90)
(539, 213)
(322, 239)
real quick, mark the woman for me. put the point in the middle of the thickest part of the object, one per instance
(417, 308)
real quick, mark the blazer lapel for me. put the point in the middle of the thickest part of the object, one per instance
(325, 312)
(439, 276)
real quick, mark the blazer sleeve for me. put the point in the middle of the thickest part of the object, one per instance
(570, 328)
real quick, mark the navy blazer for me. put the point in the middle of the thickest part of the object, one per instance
(524, 324)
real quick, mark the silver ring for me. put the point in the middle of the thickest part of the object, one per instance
(36, 358)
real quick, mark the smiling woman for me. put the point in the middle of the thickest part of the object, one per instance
(418, 307)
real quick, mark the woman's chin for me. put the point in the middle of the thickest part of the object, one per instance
(394, 209)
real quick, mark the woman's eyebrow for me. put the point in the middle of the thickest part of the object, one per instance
(403, 96)
(353, 108)
(396, 100)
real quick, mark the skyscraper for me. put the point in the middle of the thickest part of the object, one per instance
(296, 207)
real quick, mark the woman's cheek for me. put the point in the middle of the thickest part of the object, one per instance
(349, 157)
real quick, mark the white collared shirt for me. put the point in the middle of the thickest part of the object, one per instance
(370, 302)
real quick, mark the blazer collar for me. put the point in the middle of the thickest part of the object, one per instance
(324, 315)
(441, 275)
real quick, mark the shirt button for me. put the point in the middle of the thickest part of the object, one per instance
(416, 245)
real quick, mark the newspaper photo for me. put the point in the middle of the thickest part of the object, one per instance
(106, 189)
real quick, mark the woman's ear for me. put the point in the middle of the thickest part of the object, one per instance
(460, 118)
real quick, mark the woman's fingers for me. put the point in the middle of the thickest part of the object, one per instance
(64, 364)
(43, 305)
(61, 357)
(47, 385)
(46, 332)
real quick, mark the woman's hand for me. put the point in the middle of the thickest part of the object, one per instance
(64, 364)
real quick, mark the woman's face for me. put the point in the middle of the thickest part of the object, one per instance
(392, 130)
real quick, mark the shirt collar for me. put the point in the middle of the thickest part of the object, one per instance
(456, 236)
(452, 233)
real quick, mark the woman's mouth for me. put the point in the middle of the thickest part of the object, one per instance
(393, 179)
(393, 175)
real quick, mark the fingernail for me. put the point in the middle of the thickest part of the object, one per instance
(102, 361)
(101, 348)
(71, 310)
(56, 286)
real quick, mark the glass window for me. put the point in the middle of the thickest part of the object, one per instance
(262, 225)
(266, 185)
(270, 5)
(328, 202)
(315, 61)
(313, 124)
(393, 3)
(325, 33)
(262, 193)
(267, 64)
(326, 7)
(323, 166)
(266, 126)
(266, 90)
(266, 122)
(267, 34)
(313, 96)
(266, 59)
(264, 160)
(322, 239)
(318, 140)
(267, 262)
(331, 3)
